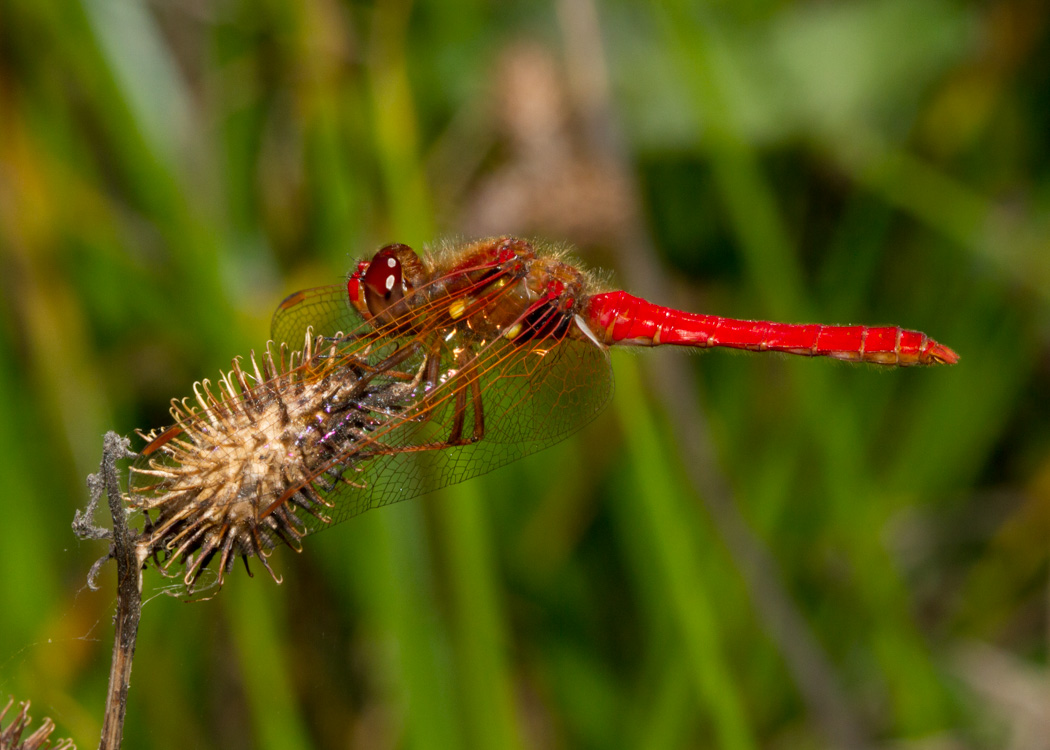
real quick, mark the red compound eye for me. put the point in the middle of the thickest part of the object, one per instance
(383, 280)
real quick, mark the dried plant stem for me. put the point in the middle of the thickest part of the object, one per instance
(130, 556)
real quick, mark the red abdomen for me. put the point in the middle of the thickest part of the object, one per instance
(621, 318)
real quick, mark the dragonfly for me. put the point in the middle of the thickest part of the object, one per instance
(419, 371)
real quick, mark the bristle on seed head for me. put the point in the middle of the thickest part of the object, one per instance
(238, 472)
(11, 735)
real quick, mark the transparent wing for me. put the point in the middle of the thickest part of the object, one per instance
(532, 397)
(314, 436)
(492, 401)
(325, 309)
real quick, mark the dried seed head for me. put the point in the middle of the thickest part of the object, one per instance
(249, 461)
(11, 736)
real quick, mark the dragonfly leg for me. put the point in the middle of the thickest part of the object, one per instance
(479, 411)
(455, 437)
(467, 379)
(466, 394)
(469, 372)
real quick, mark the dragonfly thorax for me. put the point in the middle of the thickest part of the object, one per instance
(490, 288)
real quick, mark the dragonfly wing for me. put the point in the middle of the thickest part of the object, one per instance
(539, 394)
(533, 397)
(325, 309)
(311, 437)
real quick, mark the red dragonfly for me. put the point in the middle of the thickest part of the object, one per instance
(418, 372)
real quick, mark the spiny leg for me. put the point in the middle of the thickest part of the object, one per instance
(474, 385)
(470, 383)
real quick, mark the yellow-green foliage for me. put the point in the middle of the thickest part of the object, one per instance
(170, 170)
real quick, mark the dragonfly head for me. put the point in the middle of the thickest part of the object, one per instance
(377, 288)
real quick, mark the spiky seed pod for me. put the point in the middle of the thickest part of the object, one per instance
(250, 465)
(11, 736)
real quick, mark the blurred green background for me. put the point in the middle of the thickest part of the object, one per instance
(742, 552)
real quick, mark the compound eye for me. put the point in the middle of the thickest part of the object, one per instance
(383, 279)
